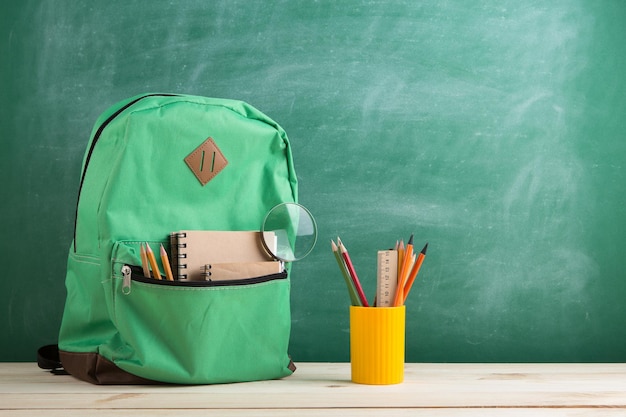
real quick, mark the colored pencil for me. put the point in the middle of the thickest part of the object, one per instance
(354, 298)
(351, 270)
(400, 257)
(402, 275)
(415, 271)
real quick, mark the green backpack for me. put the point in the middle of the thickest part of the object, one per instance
(155, 164)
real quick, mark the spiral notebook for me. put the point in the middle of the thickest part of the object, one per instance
(227, 271)
(193, 249)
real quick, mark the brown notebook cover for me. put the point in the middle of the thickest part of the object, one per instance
(193, 249)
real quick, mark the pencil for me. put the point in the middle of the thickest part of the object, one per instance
(354, 298)
(400, 258)
(166, 264)
(355, 278)
(408, 256)
(415, 271)
(144, 261)
(156, 274)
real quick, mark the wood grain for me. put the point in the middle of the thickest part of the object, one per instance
(325, 388)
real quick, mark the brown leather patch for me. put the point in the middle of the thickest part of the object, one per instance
(292, 366)
(206, 161)
(96, 369)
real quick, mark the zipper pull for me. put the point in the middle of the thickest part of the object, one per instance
(126, 282)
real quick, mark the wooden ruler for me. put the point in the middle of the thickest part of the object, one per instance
(387, 278)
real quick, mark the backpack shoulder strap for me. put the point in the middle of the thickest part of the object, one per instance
(48, 358)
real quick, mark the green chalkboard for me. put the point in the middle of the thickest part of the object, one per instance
(495, 131)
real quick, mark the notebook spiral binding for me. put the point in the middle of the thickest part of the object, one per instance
(176, 245)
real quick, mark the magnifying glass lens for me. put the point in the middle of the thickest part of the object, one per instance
(289, 232)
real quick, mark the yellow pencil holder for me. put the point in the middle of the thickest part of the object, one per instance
(377, 344)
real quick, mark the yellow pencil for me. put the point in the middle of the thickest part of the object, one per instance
(156, 273)
(166, 264)
(144, 261)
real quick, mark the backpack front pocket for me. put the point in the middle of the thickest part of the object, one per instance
(186, 332)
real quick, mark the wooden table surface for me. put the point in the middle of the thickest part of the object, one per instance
(325, 389)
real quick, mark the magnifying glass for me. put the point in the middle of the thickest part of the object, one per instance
(289, 232)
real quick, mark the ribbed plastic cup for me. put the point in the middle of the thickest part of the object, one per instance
(377, 344)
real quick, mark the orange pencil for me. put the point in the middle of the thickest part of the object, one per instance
(415, 271)
(408, 256)
(400, 258)
(156, 274)
(166, 264)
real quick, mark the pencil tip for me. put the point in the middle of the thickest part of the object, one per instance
(411, 239)
(424, 250)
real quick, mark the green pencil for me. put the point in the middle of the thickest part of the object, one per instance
(342, 266)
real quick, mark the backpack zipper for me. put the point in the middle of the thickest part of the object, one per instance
(126, 274)
(128, 277)
(96, 137)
